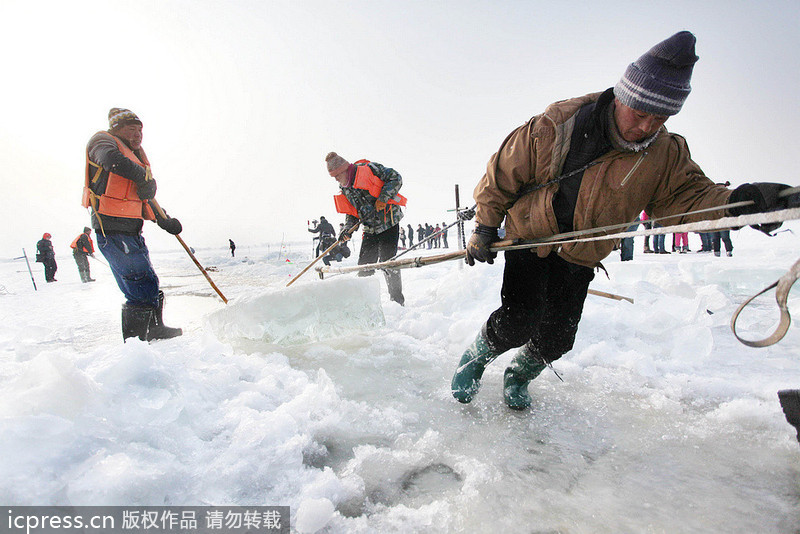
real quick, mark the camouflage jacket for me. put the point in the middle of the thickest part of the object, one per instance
(372, 220)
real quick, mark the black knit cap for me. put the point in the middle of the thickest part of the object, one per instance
(659, 81)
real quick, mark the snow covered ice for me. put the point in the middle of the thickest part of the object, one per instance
(327, 397)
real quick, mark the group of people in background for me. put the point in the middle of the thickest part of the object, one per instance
(82, 247)
(436, 236)
(709, 241)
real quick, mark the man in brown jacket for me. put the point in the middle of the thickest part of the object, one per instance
(584, 163)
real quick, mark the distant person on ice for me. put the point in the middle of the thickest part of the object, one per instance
(83, 247)
(232, 246)
(47, 256)
(624, 161)
(327, 235)
(118, 185)
(337, 253)
(370, 194)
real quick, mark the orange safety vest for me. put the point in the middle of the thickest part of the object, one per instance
(91, 243)
(120, 198)
(365, 179)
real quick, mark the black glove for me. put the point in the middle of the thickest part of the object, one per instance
(147, 189)
(478, 246)
(171, 225)
(764, 196)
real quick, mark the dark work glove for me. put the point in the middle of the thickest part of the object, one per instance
(344, 235)
(147, 189)
(478, 246)
(171, 225)
(764, 196)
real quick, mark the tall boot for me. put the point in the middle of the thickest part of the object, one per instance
(467, 378)
(158, 330)
(526, 365)
(146, 322)
(136, 321)
(86, 277)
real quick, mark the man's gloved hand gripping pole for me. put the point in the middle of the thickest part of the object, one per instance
(479, 243)
(173, 226)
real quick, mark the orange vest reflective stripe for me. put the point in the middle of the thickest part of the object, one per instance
(91, 243)
(365, 179)
(120, 198)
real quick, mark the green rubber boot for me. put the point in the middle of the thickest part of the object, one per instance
(467, 378)
(524, 367)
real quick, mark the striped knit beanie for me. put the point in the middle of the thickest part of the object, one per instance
(118, 117)
(336, 164)
(658, 82)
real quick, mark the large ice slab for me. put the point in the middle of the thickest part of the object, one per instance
(303, 313)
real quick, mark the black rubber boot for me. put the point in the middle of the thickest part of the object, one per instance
(146, 322)
(467, 378)
(136, 321)
(790, 402)
(158, 330)
(525, 366)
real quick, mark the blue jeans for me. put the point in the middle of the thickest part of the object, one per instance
(129, 260)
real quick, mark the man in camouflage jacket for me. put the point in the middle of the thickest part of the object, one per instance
(378, 217)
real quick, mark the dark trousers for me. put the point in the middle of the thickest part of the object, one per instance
(626, 249)
(542, 302)
(706, 241)
(82, 261)
(658, 240)
(725, 237)
(129, 260)
(381, 247)
(50, 268)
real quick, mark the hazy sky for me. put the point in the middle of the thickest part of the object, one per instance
(241, 100)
